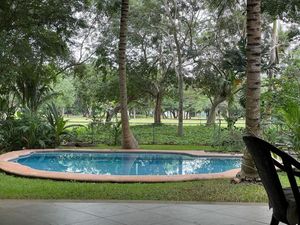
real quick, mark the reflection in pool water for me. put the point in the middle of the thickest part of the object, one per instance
(122, 163)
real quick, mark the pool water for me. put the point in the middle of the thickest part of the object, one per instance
(127, 163)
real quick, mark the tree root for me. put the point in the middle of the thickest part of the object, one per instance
(242, 178)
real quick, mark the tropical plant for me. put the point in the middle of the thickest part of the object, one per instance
(10, 135)
(26, 130)
(116, 131)
(57, 123)
(291, 117)
(34, 131)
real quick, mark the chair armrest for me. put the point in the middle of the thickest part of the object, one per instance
(297, 173)
(286, 158)
(295, 163)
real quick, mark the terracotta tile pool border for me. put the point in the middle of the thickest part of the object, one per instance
(17, 169)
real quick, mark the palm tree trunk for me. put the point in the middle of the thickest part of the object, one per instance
(248, 170)
(128, 140)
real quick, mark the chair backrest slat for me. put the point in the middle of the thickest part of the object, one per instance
(261, 153)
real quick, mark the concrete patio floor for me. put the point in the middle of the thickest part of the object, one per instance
(22, 212)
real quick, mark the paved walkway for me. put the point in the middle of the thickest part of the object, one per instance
(13, 212)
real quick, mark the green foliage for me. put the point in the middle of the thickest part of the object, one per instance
(106, 133)
(274, 133)
(116, 131)
(27, 130)
(64, 87)
(57, 123)
(228, 140)
(33, 85)
(291, 117)
(285, 99)
(10, 135)
(81, 134)
(287, 10)
(232, 113)
(30, 129)
(193, 101)
(34, 43)
(96, 90)
(6, 109)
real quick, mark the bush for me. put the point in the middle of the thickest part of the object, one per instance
(33, 130)
(229, 139)
(104, 133)
(26, 130)
(109, 133)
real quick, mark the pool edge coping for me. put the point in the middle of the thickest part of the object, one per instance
(24, 171)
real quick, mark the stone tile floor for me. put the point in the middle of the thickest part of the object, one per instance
(22, 212)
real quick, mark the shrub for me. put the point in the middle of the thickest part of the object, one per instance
(229, 139)
(109, 133)
(26, 130)
(57, 123)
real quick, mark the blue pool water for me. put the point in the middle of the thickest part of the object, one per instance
(127, 163)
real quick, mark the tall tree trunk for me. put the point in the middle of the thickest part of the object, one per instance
(178, 66)
(186, 115)
(134, 113)
(128, 140)
(211, 118)
(165, 115)
(179, 73)
(157, 111)
(174, 114)
(248, 170)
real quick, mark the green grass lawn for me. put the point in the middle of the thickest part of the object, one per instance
(207, 190)
(12, 187)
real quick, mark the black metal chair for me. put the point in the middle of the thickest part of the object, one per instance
(284, 201)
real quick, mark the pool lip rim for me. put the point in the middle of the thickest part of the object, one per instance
(14, 168)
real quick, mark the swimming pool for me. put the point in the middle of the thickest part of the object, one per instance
(129, 166)
(127, 163)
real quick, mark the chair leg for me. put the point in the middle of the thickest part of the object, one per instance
(274, 221)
